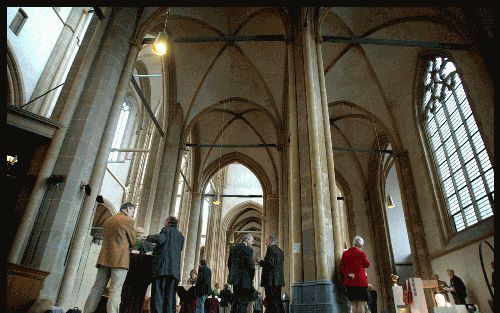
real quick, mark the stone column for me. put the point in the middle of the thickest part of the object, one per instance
(213, 233)
(152, 171)
(413, 217)
(336, 216)
(317, 290)
(85, 221)
(67, 102)
(48, 248)
(65, 62)
(190, 236)
(66, 41)
(271, 218)
(296, 273)
(184, 222)
(169, 170)
(198, 236)
(317, 153)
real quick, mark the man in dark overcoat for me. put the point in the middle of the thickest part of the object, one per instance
(272, 278)
(203, 285)
(166, 266)
(241, 273)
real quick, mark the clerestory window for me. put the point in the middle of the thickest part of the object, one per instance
(459, 154)
(120, 132)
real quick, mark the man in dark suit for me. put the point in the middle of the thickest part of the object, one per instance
(372, 299)
(272, 278)
(203, 285)
(166, 266)
(457, 287)
(241, 273)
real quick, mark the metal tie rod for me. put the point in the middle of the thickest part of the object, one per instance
(232, 196)
(398, 42)
(206, 145)
(222, 38)
(362, 150)
(147, 106)
(147, 75)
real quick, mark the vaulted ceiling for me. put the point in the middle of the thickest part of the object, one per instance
(235, 93)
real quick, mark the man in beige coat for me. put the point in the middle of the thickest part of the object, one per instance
(119, 237)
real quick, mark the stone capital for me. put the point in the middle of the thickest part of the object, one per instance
(272, 196)
(136, 42)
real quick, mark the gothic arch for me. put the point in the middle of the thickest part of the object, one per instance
(15, 88)
(237, 157)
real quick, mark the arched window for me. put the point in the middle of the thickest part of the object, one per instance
(120, 132)
(458, 151)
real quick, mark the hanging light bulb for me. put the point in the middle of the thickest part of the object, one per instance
(160, 46)
(217, 201)
(390, 202)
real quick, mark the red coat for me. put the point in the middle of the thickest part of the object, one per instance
(354, 261)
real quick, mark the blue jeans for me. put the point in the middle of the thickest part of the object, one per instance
(200, 305)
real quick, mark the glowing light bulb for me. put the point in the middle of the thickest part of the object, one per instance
(160, 45)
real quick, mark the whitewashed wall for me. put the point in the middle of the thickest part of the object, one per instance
(33, 45)
(240, 180)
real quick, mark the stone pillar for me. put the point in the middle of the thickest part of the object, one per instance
(190, 236)
(54, 228)
(65, 297)
(169, 171)
(413, 218)
(317, 290)
(198, 236)
(296, 272)
(271, 218)
(58, 57)
(67, 103)
(184, 222)
(48, 100)
(152, 171)
(212, 239)
(336, 216)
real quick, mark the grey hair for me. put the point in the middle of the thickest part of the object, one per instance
(247, 237)
(273, 239)
(127, 205)
(358, 241)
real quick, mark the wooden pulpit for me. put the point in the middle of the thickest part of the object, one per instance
(136, 284)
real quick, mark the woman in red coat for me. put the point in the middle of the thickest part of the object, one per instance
(352, 266)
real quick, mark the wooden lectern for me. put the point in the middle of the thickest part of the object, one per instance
(136, 284)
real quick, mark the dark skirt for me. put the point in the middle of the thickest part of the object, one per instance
(356, 293)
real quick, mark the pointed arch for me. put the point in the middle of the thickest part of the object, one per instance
(237, 157)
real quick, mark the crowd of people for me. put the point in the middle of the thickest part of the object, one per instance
(120, 236)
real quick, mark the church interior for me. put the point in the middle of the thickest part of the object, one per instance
(315, 124)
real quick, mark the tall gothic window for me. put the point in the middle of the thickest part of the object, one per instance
(120, 131)
(459, 154)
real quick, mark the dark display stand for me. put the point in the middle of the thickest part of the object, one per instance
(136, 284)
